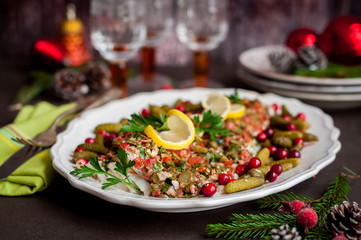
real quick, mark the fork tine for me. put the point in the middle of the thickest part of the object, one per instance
(32, 150)
(15, 139)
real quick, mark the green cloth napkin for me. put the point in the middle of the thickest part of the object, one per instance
(36, 173)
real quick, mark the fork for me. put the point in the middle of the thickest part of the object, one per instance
(48, 137)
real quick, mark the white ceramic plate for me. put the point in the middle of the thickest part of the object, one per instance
(314, 157)
(320, 99)
(256, 60)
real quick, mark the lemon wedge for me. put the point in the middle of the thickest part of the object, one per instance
(217, 103)
(180, 135)
(237, 111)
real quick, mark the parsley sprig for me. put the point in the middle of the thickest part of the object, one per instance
(138, 123)
(212, 124)
(122, 167)
(235, 98)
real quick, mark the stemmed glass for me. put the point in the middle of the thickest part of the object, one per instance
(118, 30)
(202, 26)
(159, 21)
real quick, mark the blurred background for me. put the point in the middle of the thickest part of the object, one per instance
(252, 23)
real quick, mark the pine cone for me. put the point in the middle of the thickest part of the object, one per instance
(311, 57)
(346, 218)
(284, 232)
(282, 61)
(97, 77)
(68, 84)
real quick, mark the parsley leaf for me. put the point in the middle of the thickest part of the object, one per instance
(234, 98)
(211, 123)
(122, 167)
(138, 123)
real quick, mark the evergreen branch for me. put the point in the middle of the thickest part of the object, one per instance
(317, 233)
(273, 202)
(249, 225)
(335, 194)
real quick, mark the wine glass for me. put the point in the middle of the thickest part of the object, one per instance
(159, 21)
(202, 26)
(118, 30)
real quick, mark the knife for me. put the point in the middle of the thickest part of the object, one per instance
(17, 159)
(27, 152)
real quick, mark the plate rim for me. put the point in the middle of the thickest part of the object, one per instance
(198, 204)
(288, 77)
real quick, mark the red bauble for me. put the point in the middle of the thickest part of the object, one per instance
(301, 37)
(341, 40)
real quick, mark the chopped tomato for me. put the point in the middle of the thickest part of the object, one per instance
(151, 161)
(139, 162)
(230, 125)
(166, 158)
(197, 160)
(125, 146)
(199, 144)
(245, 155)
(228, 163)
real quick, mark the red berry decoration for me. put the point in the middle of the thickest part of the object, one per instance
(223, 179)
(79, 149)
(299, 142)
(307, 218)
(145, 112)
(269, 132)
(341, 40)
(272, 150)
(261, 137)
(241, 169)
(286, 117)
(340, 236)
(277, 168)
(301, 116)
(103, 132)
(90, 140)
(209, 189)
(255, 162)
(281, 153)
(294, 154)
(276, 107)
(292, 207)
(271, 176)
(181, 108)
(301, 37)
(81, 162)
(291, 127)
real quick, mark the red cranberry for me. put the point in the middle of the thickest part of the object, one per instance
(261, 137)
(277, 168)
(291, 127)
(301, 116)
(271, 176)
(269, 132)
(181, 108)
(223, 178)
(90, 140)
(294, 154)
(286, 117)
(241, 169)
(113, 135)
(145, 112)
(281, 153)
(79, 149)
(186, 102)
(292, 207)
(255, 162)
(103, 132)
(209, 189)
(272, 150)
(275, 107)
(81, 162)
(298, 142)
(232, 179)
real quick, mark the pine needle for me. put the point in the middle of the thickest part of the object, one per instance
(273, 202)
(249, 225)
(335, 194)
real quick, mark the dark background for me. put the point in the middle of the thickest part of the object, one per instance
(252, 23)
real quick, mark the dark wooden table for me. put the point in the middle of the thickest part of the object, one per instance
(64, 212)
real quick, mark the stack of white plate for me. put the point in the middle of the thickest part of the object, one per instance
(328, 93)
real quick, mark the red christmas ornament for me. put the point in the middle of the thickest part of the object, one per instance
(341, 40)
(301, 37)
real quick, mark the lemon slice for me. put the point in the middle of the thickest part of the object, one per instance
(237, 111)
(180, 135)
(217, 103)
